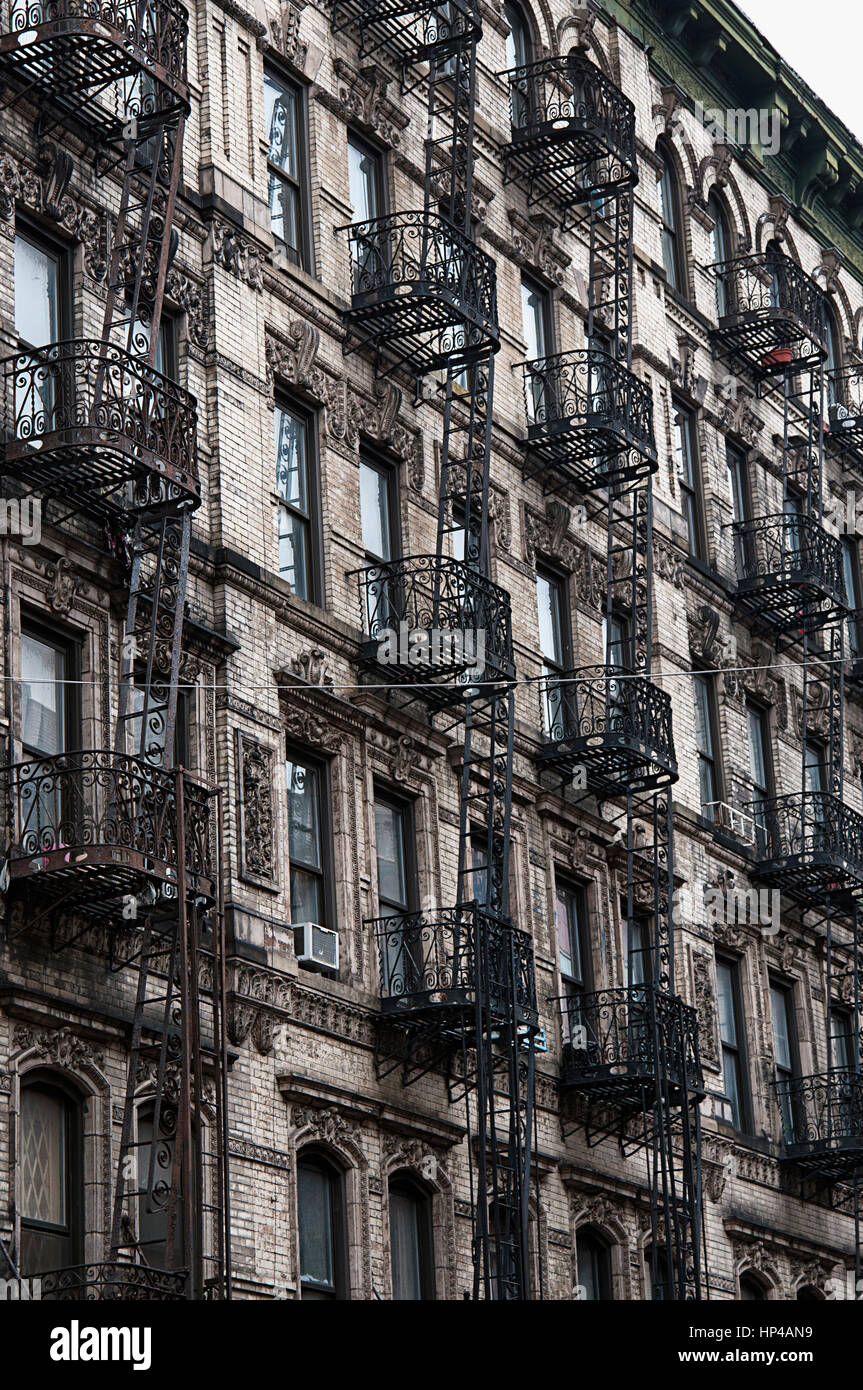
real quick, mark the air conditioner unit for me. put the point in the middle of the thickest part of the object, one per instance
(316, 947)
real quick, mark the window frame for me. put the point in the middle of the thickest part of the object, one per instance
(299, 755)
(314, 1159)
(73, 1229)
(389, 471)
(60, 253)
(308, 418)
(404, 1182)
(707, 682)
(743, 1123)
(781, 1072)
(301, 255)
(851, 570)
(599, 1247)
(671, 232)
(72, 647)
(405, 809)
(722, 233)
(554, 696)
(379, 156)
(689, 477)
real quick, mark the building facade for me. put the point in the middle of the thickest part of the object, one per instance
(352, 1168)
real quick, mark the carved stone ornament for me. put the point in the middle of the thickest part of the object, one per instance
(237, 254)
(61, 1047)
(363, 100)
(257, 820)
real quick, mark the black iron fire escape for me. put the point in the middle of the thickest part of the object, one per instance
(119, 836)
(791, 583)
(457, 983)
(631, 1068)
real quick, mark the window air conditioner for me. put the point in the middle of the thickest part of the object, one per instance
(316, 947)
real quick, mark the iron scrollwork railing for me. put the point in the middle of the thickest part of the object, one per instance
(811, 827)
(616, 1032)
(607, 704)
(789, 550)
(430, 616)
(112, 1281)
(822, 1111)
(845, 400)
(430, 960)
(569, 98)
(415, 273)
(767, 287)
(590, 390)
(155, 33)
(87, 395)
(77, 809)
(413, 31)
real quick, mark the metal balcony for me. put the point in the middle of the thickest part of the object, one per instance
(613, 724)
(589, 422)
(422, 293)
(435, 622)
(112, 1281)
(770, 313)
(88, 420)
(91, 826)
(100, 64)
(790, 575)
(413, 31)
(617, 1043)
(810, 847)
(845, 407)
(429, 964)
(572, 132)
(822, 1122)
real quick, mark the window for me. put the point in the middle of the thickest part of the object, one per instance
(758, 725)
(669, 213)
(705, 743)
(833, 360)
(50, 717)
(814, 756)
(720, 248)
(365, 180)
(519, 52)
(594, 1266)
(551, 597)
(841, 1039)
(378, 509)
(689, 477)
(166, 346)
(410, 1241)
(153, 1212)
(738, 485)
(536, 322)
(784, 1051)
(851, 571)
(731, 1036)
(37, 293)
(283, 104)
(479, 867)
(639, 958)
(296, 488)
(573, 945)
(402, 951)
(323, 1244)
(751, 1290)
(307, 840)
(51, 1176)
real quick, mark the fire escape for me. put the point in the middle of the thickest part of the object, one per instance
(456, 983)
(631, 1068)
(117, 842)
(791, 583)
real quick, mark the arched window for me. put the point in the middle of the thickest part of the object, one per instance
(672, 222)
(519, 52)
(411, 1245)
(751, 1289)
(809, 1295)
(833, 360)
(720, 247)
(594, 1265)
(323, 1236)
(659, 1286)
(51, 1168)
(153, 1197)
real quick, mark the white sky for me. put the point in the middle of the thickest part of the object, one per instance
(822, 42)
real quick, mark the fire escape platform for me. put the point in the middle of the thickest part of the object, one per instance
(413, 31)
(790, 573)
(770, 314)
(812, 848)
(823, 1123)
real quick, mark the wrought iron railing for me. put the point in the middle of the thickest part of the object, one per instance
(112, 1281)
(85, 809)
(153, 34)
(411, 261)
(432, 960)
(822, 1111)
(414, 30)
(590, 390)
(86, 395)
(598, 704)
(432, 617)
(788, 550)
(810, 828)
(768, 286)
(632, 1033)
(557, 99)
(845, 400)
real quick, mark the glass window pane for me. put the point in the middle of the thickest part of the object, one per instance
(362, 182)
(390, 844)
(781, 1028)
(43, 1156)
(283, 211)
(35, 294)
(304, 824)
(405, 1216)
(291, 458)
(725, 1000)
(814, 768)
(280, 104)
(43, 697)
(294, 552)
(841, 1040)
(533, 319)
(703, 731)
(315, 1200)
(550, 630)
(375, 511)
(756, 749)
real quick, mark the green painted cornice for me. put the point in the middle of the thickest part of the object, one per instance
(718, 57)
